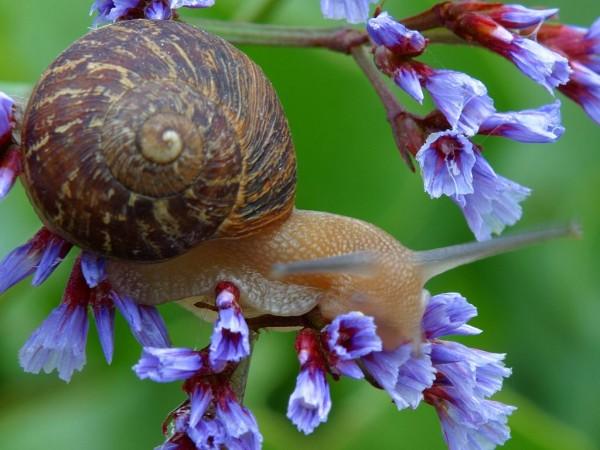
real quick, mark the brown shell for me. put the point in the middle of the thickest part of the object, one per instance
(144, 138)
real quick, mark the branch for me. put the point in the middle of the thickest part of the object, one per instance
(239, 378)
(338, 39)
(403, 126)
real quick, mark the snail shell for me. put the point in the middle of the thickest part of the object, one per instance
(145, 138)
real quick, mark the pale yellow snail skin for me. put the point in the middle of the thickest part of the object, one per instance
(312, 259)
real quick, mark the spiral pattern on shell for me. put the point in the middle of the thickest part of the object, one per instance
(145, 138)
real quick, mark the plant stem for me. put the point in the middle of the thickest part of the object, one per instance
(397, 116)
(444, 36)
(239, 378)
(339, 39)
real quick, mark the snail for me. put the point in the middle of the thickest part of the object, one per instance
(166, 150)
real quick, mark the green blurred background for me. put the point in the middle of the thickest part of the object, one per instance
(539, 305)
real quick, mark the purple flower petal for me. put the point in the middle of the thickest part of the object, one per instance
(157, 10)
(402, 374)
(463, 100)
(540, 125)
(237, 420)
(207, 434)
(447, 314)
(6, 118)
(519, 17)
(408, 79)
(92, 266)
(165, 365)
(192, 3)
(310, 403)
(352, 335)
(58, 343)
(230, 341)
(104, 315)
(386, 31)
(10, 168)
(200, 400)
(494, 203)
(56, 250)
(145, 322)
(542, 65)
(447, 159)
(354, 11)
(30, 258)
(486, 371)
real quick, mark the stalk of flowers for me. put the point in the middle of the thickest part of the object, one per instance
(212, 415)
(582, 47)
(114, 10)
(539, 63)
(59, 342)
(450, 163)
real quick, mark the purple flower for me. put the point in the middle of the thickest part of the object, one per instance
(448, 314)
(310, 403)
(584, 88)
(10, 168)
(402, 373)
(465, 379)
(6, 117)
(385, 30)
(164, 365)
(540, 125)
(519, 17)
(542, 65)
(354, 11)
(463, 100)
(58, 343)
(230, 340)
(462, 434)
(580, 45)
(39, 256)
(352, 335)
(92, 266)
(145, 322)
(494, 203)
(447, 159)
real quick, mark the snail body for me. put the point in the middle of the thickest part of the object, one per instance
(166, 150)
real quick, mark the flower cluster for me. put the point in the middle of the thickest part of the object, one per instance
(59, 342)
(114, 10)
(451, 164)
(458, 381)
(455, 379)
(212, 416)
